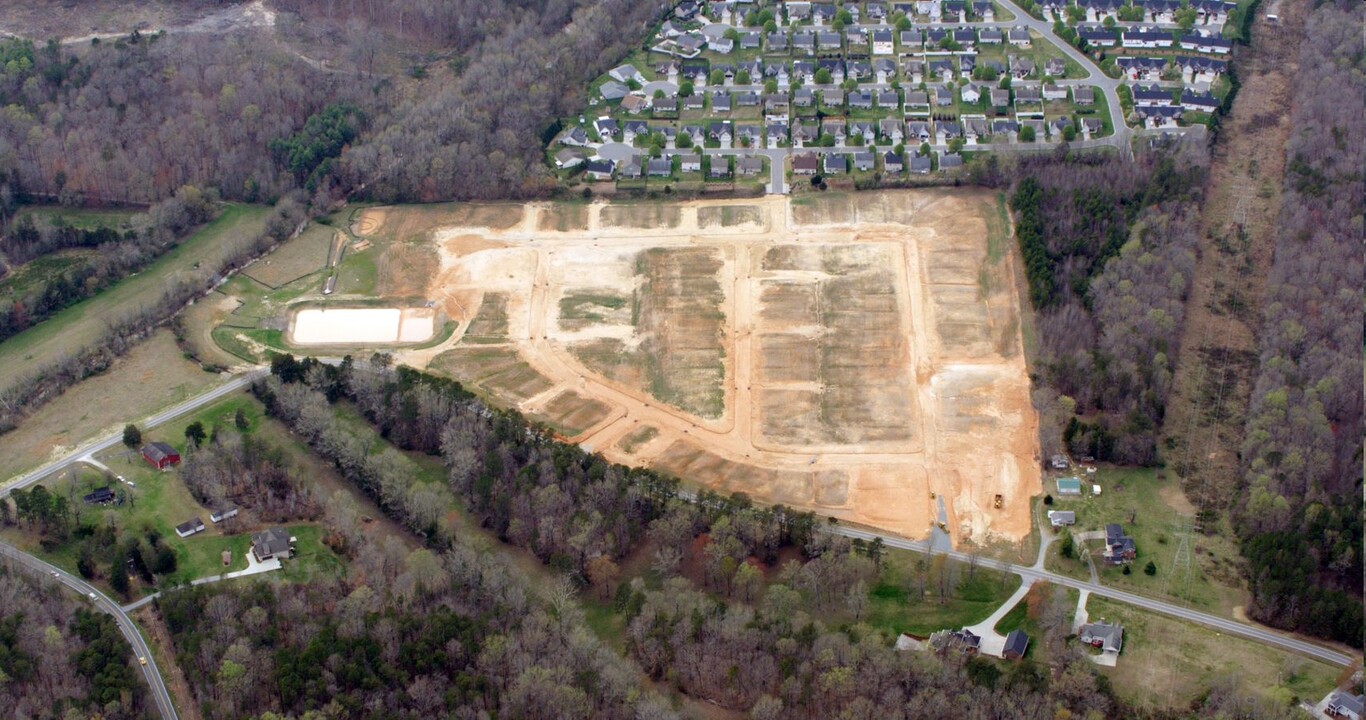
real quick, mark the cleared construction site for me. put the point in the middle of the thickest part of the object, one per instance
(855, 354)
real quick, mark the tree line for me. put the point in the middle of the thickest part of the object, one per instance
(119, 254)
(1300, 516)
(705, 620)
(35, 386)
(239, 470)
(59, 659)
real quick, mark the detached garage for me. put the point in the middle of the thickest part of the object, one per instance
(160, 455)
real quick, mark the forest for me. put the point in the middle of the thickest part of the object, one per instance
(249, 116)
(1108, 249)
(1300, 515)
(58, 659)
(703, 620)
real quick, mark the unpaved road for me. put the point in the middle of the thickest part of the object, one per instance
(970, 433)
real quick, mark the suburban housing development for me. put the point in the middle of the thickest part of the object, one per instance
(889, 89)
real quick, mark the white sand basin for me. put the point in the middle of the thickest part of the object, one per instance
(362, 326)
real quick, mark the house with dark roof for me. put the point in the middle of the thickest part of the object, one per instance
(806, 164)
(893, 163)
(659, 167)
(921, 164)
(613, 90)
(599, 169)
(100, 496)
(1198, 101)
(1119, 548)
(160, 455)
(190, 527)
(834, 164)
(749, 166)
(864, 161)
(1084, 95)
(1017, 642)
(574, 137)
(272, 543)
(1103, 635)
(1099, 37)
(949, 161)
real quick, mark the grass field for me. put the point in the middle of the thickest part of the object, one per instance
(85, 322)
(1167, 663)
(1153, 511)
(893, 609)
(160, 500)
(83, 218)
(296, 258)
(151, 377)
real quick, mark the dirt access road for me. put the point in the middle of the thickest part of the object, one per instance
(853, 354)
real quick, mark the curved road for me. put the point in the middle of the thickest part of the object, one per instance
(104, 603)
(1027, 573)
(1107, 84)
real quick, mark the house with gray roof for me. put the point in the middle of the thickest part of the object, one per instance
(1103, 635)
(272, 543)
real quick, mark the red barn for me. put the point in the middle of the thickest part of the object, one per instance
(160, 455)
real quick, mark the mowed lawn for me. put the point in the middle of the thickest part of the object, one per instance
(1154, 511)
(84, 323)
(1167, 663)
(160, 501)
(893, 607)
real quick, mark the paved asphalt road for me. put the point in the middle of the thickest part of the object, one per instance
(1232, 627)
(1035, 572)
(1107, 85)
(103, 603)
(102, 444)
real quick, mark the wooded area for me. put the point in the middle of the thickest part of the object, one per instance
(740, 640)
(1301, 514)
(245, 115)
(58, 659)
(1108, 249)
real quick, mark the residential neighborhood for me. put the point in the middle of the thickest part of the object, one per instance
(886, 90)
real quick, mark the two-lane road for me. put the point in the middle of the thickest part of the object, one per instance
(1036, 572)
(103, 603)
(104, 443)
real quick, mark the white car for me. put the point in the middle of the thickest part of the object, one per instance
(55, 574)
(92, 595)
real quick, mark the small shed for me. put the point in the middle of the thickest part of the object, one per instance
(1017, 642)
(160, 455)
(222, 515)
(190, 527)
(1069, 486)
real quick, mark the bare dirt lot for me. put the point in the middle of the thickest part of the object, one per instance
(851, 354)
